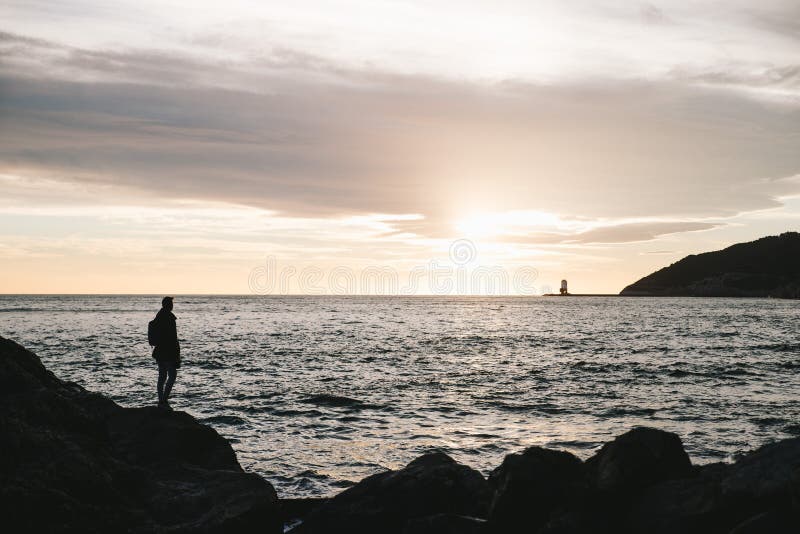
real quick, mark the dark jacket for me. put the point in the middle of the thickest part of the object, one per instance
(168, 349)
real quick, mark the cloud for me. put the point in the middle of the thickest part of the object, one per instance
(298, 135)
(779, 81)
(652, 14)
(782, 18)
(601, 233)
(634, 232)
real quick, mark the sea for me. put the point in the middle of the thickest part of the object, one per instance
(317, 392)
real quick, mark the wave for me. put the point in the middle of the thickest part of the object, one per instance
(232, 420)
(528, 407)
(337, 401)
(628, 412)
(778, 347)
(681, 373)
(291, 413)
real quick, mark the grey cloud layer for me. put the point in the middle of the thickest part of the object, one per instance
(292, 133)
(625, 233)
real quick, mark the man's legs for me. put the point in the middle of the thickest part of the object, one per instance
(172, 371)
(162, 375)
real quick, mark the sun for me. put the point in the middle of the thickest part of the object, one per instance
(480, 225)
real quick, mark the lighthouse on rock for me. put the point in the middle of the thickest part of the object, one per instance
(564, 288)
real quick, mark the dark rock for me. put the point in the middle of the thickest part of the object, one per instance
(756, 493)
(74, 461)
(299, 508)
(530, 486)
(295, 510)
(637, 459)
(445, 524)
(154, 437)
(386, 502)
(764, 475)
(765, 480)
(713, 472)
(779, 521)
(690, 505)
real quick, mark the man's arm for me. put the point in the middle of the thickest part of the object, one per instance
(177, 342)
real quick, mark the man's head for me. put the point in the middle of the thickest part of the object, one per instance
(166, 303)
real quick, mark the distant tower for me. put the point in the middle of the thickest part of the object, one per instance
(564, 288)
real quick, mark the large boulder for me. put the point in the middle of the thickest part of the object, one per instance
(296, 509)
(765, 485)
(775, 521)
(688, 505)
(74, 461)
(764, 475)
(445, 524)
(637, 459)
(757, 493)
(529, 487)
(387, 502)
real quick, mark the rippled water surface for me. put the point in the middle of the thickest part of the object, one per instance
(318, 392)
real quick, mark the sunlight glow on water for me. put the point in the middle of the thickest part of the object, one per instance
(318, 392)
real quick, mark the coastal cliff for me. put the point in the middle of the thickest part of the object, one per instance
(74, 461)
(767, 267)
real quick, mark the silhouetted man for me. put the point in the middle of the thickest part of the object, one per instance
(167, 352)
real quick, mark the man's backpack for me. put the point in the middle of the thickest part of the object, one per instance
(153, 332)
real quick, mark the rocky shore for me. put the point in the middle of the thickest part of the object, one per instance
(74, 461)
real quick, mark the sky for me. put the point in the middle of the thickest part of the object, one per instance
(389, 146)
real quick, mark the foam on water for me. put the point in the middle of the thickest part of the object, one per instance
(318, 392)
